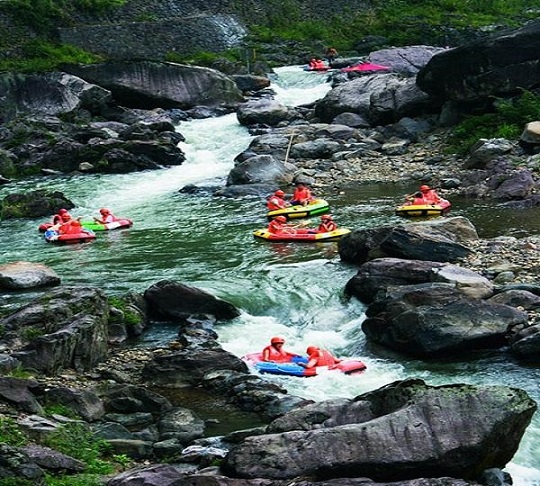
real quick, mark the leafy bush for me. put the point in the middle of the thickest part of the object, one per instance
(507, 121)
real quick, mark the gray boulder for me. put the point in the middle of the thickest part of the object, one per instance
(406, 61)
(65, 328)
(48, 94)
(264, 111)
(495, 66)
(261, 169)
(154, 84)
(436, 320)
(414, 431)
(379, 99)
(27, 275)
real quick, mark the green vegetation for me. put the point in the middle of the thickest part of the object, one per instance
(77, 440)
(41, 55)
(10, 433)
(402, 22)
(507, 121)
(20, 372)
(130, 317)
(31, 333)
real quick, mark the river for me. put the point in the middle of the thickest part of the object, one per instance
(292, 290)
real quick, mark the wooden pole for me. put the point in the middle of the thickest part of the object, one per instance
(289, 147)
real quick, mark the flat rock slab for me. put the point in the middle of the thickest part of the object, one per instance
(27, 275)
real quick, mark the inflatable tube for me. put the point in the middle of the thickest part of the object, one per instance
(292, 368)
(301, 235)
(94, 226)
(84, 236)
(423, 210)
(314, 208)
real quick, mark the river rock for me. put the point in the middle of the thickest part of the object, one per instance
(34, 204)
(173, 300)
(65, 328)
(435, 320)
(264, 111)
(52, 460)
(48, 94)
(379, 99)
(27, 275)
(455, 430)
(493, 66)
(154, 84)
(416, 241)
(261, 169)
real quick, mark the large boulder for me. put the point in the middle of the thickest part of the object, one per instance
(261, 169)
(153, 84)
(407, 60)
(439, 241)
(500, 65)
(377, 275)
(170, 300)
(436, 320)
(65, 328)
(48, 94)
(27, 275)
(402, 431)
(264, 111)
(379, 99)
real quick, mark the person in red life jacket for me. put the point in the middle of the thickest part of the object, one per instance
(278, 225)
(327, 224)
(106, 216)
(61, 216)
(319, 64)
(429, 195)
(277, 201)
(302, 194)
(312, 63)
(417, 199)
(70, 227)
(275, 352)
(319, 357)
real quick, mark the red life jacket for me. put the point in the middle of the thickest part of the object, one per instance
(276, 355)
(301, 194)
(327, 227)
(274, 203)
(325, 358)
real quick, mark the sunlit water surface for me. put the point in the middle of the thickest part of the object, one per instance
(293, 290)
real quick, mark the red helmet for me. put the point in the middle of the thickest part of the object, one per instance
(104, 211)
(326, 216)
(277, 340)
(424, 188)
(66, 216)
(281, 219)
(279, 193)
(312, 349)
(62, 211)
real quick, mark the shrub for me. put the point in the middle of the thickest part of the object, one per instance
(10, 433)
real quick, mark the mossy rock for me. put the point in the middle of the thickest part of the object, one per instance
(33, 204)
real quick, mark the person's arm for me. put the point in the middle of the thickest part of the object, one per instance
(266, 355)
(310, 364)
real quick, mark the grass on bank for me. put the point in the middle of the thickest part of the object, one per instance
(74, 439)
(506, 121)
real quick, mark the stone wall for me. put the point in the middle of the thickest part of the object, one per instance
(154, 40)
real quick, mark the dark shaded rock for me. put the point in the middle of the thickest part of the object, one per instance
(495, 66)
(33, 204)
(84, 403)
(20, 393)
(418, 431)
(48, 93)
(27, 275)
(169, 300)
(65, 328)
(52, 460)
(16, 465)
(435, 320)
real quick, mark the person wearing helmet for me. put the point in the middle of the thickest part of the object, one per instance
(106, 216)
(429, 195)
(302, 194)
(279, 225)
(327, 224)
(277, 201)
(275, 353)
(319, 357)
(61, 216)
